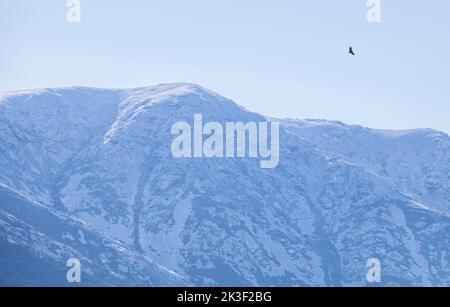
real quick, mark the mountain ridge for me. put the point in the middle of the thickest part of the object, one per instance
(183, 88)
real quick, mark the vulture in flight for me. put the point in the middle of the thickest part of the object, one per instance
(351, 51)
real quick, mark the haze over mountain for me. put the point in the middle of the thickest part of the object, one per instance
(79, 166)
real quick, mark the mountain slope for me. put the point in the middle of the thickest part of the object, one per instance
(36, 244)
(340, 195)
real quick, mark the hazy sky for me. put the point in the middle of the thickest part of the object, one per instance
(280, 58)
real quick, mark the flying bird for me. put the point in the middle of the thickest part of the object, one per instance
(351, 51)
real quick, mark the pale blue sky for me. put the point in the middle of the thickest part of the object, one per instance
(280, 58)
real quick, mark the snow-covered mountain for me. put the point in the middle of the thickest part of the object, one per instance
(340, 195)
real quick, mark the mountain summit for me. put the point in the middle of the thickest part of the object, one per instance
(98, 162)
